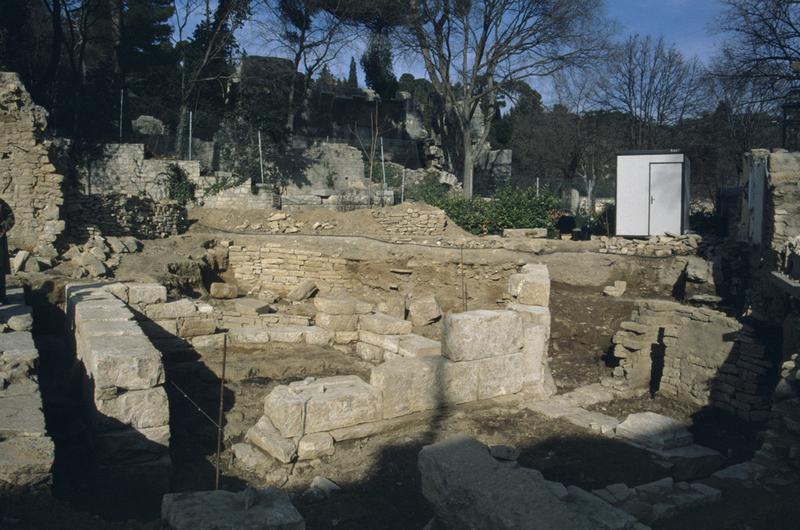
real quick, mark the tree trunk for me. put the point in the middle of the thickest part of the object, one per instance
(181, 132)
(469, 165)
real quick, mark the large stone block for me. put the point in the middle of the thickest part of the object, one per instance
(532, 314)
(108, 312)
(110, 329)
(287, 334)
(414, 384)
(146, 293)
(500, 376)
(26, 461)
(266, 437)
(424, 310)
(21, 415)
(315, 445)
(223, 290)
(252, 307)
(481, 334)
(317, 335)
(250, 335)
(418, 346)
(384, 324)
(122, 446)
(341, 305)
(389, 343)
(129, 362)
(136, 408)
(653, 430)
(369, 353)
(337, 322)
(168, 310)
(337, 402)
(532, 286)
(201, 324)
(286, 409)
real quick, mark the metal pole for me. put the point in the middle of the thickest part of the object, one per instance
(403, 187)
(260, 157)
(463, 281)
(537, 186)
(383, 169)
(190, 135)
(121, 101)
(221, 406)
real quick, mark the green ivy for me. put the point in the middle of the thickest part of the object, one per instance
(179, 187)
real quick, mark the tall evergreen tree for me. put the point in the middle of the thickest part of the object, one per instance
(352, 78)
(377, 65)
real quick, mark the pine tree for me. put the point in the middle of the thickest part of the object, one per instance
(352, 78)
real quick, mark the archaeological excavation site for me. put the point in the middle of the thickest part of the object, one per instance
(242, 293)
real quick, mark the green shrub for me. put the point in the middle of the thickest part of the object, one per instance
(179, 187)
(224, 182)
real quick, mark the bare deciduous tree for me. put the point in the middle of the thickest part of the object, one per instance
(471, 49)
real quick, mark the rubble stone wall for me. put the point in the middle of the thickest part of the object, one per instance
(411, 221)
(239, 197)
(708, 358)
(28, 181)
(116, 214)
(123, 168)
(127, 406)
(26, 451)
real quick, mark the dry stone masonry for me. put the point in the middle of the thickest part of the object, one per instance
(28, 181)
(654, 246)
(26, 451)
(411, 220)
(124, 215)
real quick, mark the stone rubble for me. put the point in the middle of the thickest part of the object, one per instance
(654, 246)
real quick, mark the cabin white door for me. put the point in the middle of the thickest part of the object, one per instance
(666, 192)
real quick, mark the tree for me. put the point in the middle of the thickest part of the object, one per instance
(377, 65)
(352, 76)
(471, 50)
(654, 85)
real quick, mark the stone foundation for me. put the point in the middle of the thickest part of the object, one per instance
(411, 220)
(124, 215)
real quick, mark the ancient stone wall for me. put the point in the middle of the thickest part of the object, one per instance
(239, 197)
(26, 451)
(126, 403)
(123, 168)
(411, 221)
(117, 214)
(694, 354)
(28, 181)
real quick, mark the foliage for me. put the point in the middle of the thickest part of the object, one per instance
(377, 65)
(352, 76)
(394, 173)
(179, 187)
(509, 208)
(224, 182)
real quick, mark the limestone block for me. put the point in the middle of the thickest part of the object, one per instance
(197, 325)
(223, 290)
(159, 329)
(340, 402)
(208, 342)
(317, 335)
(369, 353)
(480, 334)
(384, 324)
(418, 346)
(251, 306)
(167, 310)
(263, 509)
(26, 461)
(286, 410)
(129, 362)
(393, 305)
(345, 337)
(106, 313)
(146, 293)
(315, 445)
(288, 334)
(414, 384)
(249, 335)
(654, 430)
(337, 322)
(266, 437)
(136, 408)
(110, 329)
(387, 342)
(21, 415)
(341, 305)
(500, 376)
(303, 291)
(531, 287)
(132, 445)
(532, 314)
(424, 310)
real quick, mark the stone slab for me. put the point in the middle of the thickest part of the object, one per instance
(129, 362)
(252, 307)
(25, 461)
(21, 415)
(655, 431)
(266, 437)
(389, 343)
(481, 334)
(135, 408)
(168, 310)
(337, 322)
(418, 346)
(315, 445)
(146, 293)
(384, 324)
(341, 305)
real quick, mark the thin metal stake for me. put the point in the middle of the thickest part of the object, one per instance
(260, 157)
(221, 403)
(190, 135)
(463, 281)
(121, 101)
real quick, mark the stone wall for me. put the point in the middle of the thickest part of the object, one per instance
(123, 168)
(127, 406)
(26, 451)
(28, 181)
(411, 220)
(708, 358)
(117, 214)
(239, 197)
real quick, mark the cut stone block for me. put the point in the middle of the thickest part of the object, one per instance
(303, 291)
(389, 343)
(345, 337)
(384, 324)
(129, 362)
(25, 461)
(653, 430)
(208, 342)
(394, 306)
(532, 314)
(136, 408)
(418, 346)
(317, 335)
(110, 329)
(499, 376)
(286, 410)
(21, 415)
(264, 509)
(17, 317)
(248, 336)
(146, 293)
(341, 305)
(369, 353)
(267, 438)
(532, 286)
(252, 307)
(106, 313)
(336, 402)
(224, 291)
(122, 446)
(287, 334)
(337, 322)
(424, 310)
(414, 384)
(481, 334)
(168, 310)
(315, 445)
(197, 325)
(691, 462)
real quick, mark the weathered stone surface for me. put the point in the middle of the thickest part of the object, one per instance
(133, 446)
(369, 353)
(286, 409)
(337, 322)
(26, 461)
(384, 324)
(394, 306)
(136, 408)
(223, 290)
(146, 293)
(499, 376)
(345, 337)
(341, 305)
(248, 336)
(287, 334)
(208, 342)
(21, 415)
(176, 309)
(532, 286)
(335, 402)
(480, 334)
(424, 310)
(197, 325)
(691, 462)
(266, 509)
(129, 362)
(414, 384)
(317, 335)
(532, 314)
(267, 438)
(653, 430)
(250, 458)
(470, 489)
(111, 329)
(253, 307)
(418, 346)
(390, 343)
(303, 291)
(315, 445)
